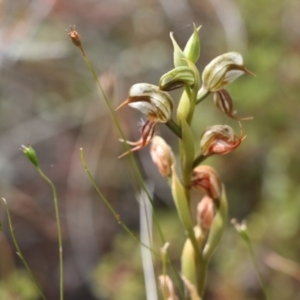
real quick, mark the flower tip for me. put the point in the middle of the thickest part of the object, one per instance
(124, 154)
(242, 119)
(122, 104)
(249, 72)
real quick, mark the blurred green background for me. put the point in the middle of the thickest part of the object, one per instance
(48, 98)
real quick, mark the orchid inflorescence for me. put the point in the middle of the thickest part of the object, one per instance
(157, 105)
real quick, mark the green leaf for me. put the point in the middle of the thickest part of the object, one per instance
(178, 54)
(187, 150)
(181, 202)
(217, 228)
(188, 262)
(192, 47)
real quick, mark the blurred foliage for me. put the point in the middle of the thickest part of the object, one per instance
(48, 99)
(18, 286)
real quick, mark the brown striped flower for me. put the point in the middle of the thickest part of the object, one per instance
(156, 104)
(219, 139)
(223, 70)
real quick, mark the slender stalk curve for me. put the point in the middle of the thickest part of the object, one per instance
(201, 96)
(173, 126)
(256, 267)
(198, 160)
(118, 126)
(111, 209)
(60, 243)
(12, 232)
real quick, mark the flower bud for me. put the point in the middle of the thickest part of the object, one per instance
(207, 179)
(205, 213)
(167, 287)
(148, 130)
(31, 155)
(192, 47)
(223, 101)
(219, 139)
(191, 50)
(150, 100)
(162, 155)
(223, 70)
(177, 78)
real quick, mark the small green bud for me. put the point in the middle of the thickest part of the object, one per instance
(192, 47)
(150, 100)
(177, 78)
(31, 155)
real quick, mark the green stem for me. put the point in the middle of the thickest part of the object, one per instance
(114, 213)
(218, 226)
(201, 275)
(173, 126)
(12, 232)
(60, 244)
(198, 160)
(202, 94)
(118, 126)
(214, 237)
(255, 264)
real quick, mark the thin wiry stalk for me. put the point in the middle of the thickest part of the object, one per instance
(256, 267)
(118, 126)
(111, 209)
(243, 232)
(58, 225)
(12, 232)
(119, 220)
